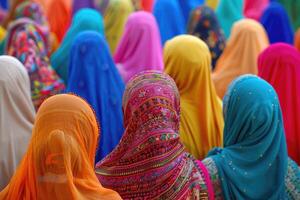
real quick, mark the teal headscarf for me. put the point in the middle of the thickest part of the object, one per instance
(85, 20)
(228, 12)
(253, 162)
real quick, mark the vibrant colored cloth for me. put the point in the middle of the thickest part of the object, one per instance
(147, 5)
(204, 24)
(79, 4)
(277, 24)
(2, 34)
(101, 5)
(293, 9)
(169, 18)
(94, 77)
(248, 39)
(17, 116)
(59, 161)
(85, 19)
(254, 8)
(187, 60)
(4, 4)
(212, 3)
(150, 162)
(26, 42)
(228, 12)
(140, 47)
(254, 142)
(297, 39)
(187, 6)
(279, 65)
(115, 19)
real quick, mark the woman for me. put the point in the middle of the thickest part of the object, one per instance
(85, 19)
(277, 24)
(248, 39)
(59, 161)
(254, 8)
(204, 24)
(188, 61)
(188, 6)
(94, 77)
(17, 116)
(140, 47)
(115, 19)
(150, 162)
(279, 65)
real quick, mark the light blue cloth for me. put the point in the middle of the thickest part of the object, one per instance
(187, 6)
(253, 162)
(85, 19)
(94, 77)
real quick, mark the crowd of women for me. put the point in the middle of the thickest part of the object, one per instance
(150, 99)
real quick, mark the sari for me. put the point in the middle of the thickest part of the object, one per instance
(147, 5)
(187, 60)
(169, 18)
(204, 24)
(94, 77)
(115, 19)
(228, 12)
(279, 65)
(248, 39)
(140, 47)
(254, 142)
(293, 8)
(17, 116)
(213, 4)
(254, 8)
(85, 19)
(188, 6)
(277, 24)
(59, 161)
(150, 162)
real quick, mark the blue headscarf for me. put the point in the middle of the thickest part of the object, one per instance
(85, 19)
(277, 24)
(4, 4)
(169, 18)
(253, 162)
(187, 6)
(94, 77)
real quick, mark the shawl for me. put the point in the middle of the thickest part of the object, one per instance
(188, 6)
(79, 4)
(94, 77)
(140, 47)
(16, 116)
(150, 162)
(187, 60)
(293, 8)
(212, 3)
(253, 162)
(248, 39)
(204, 24)
(85, 19)
(147, 5)
(279, 65)
(254, 8)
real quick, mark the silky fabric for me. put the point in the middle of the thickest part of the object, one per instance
(254, 8)
(293, 8)
(228, 12)
(279, 65)
(254, 142)
(248, 39)
(94, 77)
(26, 42)
(140, 47)
(4, 4)
(115, 19)
(85, 19)
(16, 116)
(297, 39)
(79, 4)
(59, 161)
(277, 24)
(188, 6)
(212, 3)
(187, 60)
(204, 24)
(147, 5)
(150, 162)
(169, 18)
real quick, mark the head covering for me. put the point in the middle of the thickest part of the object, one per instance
(279, 65)
(59, 160)
(147, 5)
(277, 24)
(254, 8)
(248, 39)
(85, 19)
(228, 12)
(140, 47)
(187, 60)
(17, 116)
(170, 20)
(150, 162)
(253, 162)
(26, 42)
(212, 3)
(79, 4)
(293, 8)
(187, 6)
(204, 24)
(297, 39)
(94, 77)
(115, 19)
(4, 4)
(101, 5)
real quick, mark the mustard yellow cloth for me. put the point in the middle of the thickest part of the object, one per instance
(2, 33)
(212, 3)
(188, 62)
